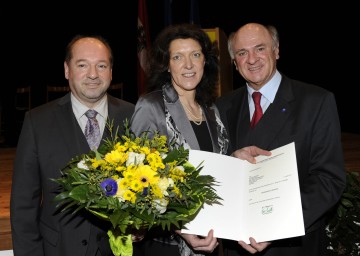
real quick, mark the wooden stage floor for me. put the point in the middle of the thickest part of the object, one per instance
(351, 145)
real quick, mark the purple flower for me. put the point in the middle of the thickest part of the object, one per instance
(145, 191)
(110, 187)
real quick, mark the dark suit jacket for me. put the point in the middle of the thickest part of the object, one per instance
(50, 137)
(307, 115)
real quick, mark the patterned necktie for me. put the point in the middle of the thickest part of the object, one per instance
(258, 110)
(92, 129)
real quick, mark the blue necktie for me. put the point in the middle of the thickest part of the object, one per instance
(92, 129)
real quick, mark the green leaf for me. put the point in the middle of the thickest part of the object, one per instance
(62, 196)
(99, 214)
(81, 188)
(346, 202)
(176, 154)
(79, 193)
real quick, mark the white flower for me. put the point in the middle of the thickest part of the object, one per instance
(180, 168)
(171, 182)
(120, 192)
(163, 185)
(82, 165)
(135, 158)
(160, 205)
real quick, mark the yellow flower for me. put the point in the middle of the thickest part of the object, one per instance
(146, 175)
(115, 157)
(124, 183)
(156, 191)
(177, 191)
(136, 185)
(120, 192)
(154, 186)
(130, 169)
(130, 196)
(120, 147)
(177, 174)
(155, 161)
(144, 150)
(96, 163)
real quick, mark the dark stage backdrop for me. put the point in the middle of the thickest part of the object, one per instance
(316, 45)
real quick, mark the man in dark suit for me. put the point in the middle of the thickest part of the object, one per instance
(51, 136)
(293, 111)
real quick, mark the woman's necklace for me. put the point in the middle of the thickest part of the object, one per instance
(196, 120)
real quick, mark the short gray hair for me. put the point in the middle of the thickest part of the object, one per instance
(230, 42)
(274, 35)
(270, 28)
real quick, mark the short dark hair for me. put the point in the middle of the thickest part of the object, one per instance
(68, 49)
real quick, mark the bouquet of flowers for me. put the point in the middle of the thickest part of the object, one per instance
(136, 183)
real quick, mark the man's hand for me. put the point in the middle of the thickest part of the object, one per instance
(254, 247)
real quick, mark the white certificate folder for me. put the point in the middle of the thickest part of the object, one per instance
(260, 200)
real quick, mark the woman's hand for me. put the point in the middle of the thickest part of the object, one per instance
(197, 243)
(249, 153)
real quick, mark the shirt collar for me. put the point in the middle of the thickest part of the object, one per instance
(270, 88)
(79, 109)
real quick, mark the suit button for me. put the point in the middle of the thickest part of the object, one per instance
(84, 242)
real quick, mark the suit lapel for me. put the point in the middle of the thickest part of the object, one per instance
(275, 117)
(242, 121)
(112, 117)
(116, 115)
(69, 128)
